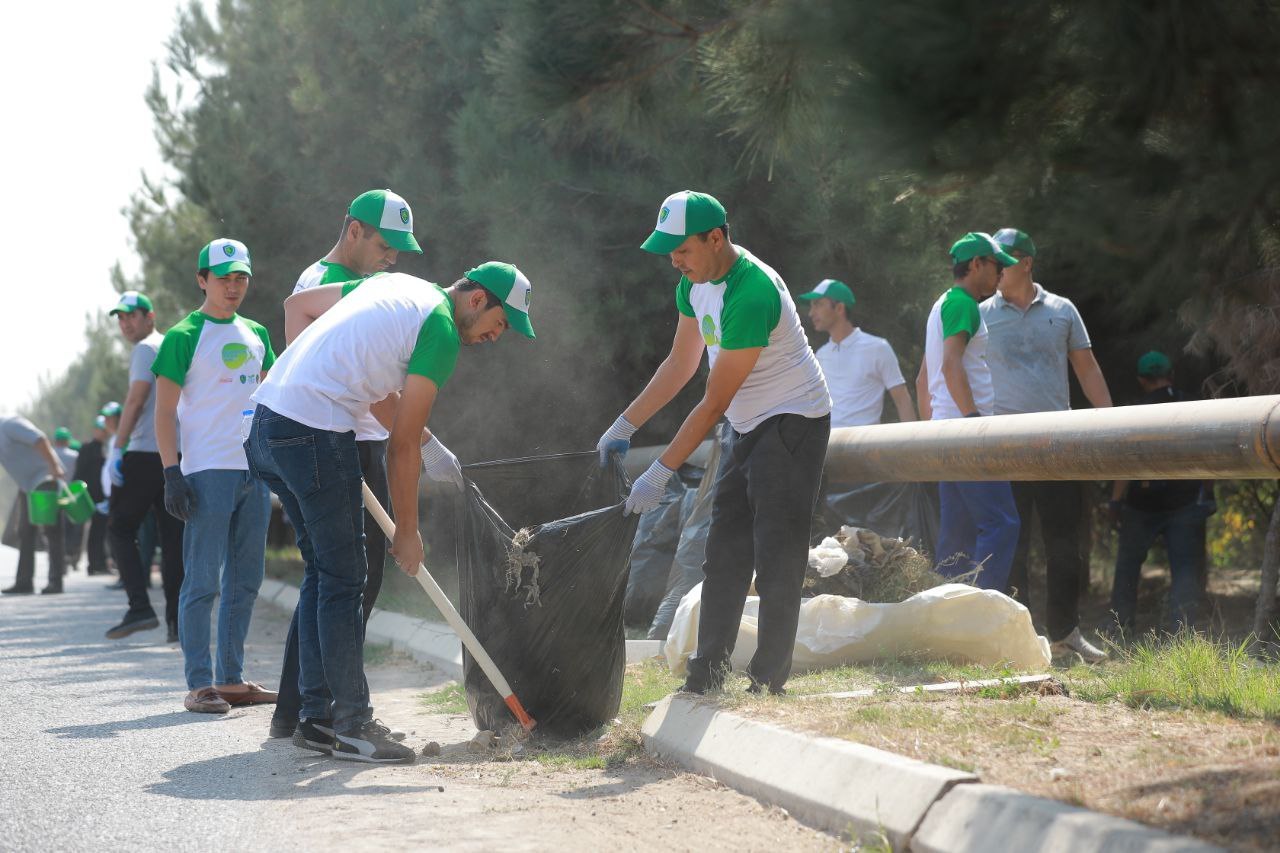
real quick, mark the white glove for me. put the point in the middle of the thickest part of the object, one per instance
(616, 439)
(114, 471)
(646, 492)
(440, 465)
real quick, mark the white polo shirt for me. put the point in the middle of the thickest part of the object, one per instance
(859, 370)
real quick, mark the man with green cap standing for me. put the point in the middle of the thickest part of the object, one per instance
(392, 336)
(63, 445)
(209, 364)
(378, 226)
(859, 367)
(765, 379)
(1034, 336)
(137, 478)
(89, 470)
(978, 527)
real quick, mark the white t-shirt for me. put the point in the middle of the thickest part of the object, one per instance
(324, 272)
(751, 307)
(859, 370)
(955, 312)
(218, 363)
(360, 351)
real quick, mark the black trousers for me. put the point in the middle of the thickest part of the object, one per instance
(53, 541)
(373, 467)
(97, 545)
(764, 500)
(1060, 508)
(143, 490)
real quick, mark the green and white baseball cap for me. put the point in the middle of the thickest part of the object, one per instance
(223, 256)
(979, 244)
(1019, 241)
(62, 434)
(511, 286)
(390, 214)
(111, 409)
(681, 215)
(100, 422)
(829, 288)
(130, 301)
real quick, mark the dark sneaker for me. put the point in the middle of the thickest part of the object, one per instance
(314, 734)
(18, 590)
(133, 622)
(281, 728)
(51, 589)
(172, 636)
(372, 743)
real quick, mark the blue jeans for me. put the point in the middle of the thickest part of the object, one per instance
(227, 533)
(1184, 543)
(979, 527)
(316, 475)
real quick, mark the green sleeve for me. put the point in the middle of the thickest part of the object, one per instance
(173, 359)
(436, 351)
(683, 305)
(960, 314)
(336, 273)
(750, 313)
(350, 286)
(268, 354)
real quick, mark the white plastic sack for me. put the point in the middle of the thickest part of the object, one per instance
(952, 622)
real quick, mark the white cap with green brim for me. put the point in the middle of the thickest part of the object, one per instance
(225, 256)
(512, 287)
(683, 214)
(829, 288)
(130, 301)
(390, 214)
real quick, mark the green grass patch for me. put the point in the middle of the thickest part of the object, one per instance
(377, 654)
(450, 699)
(1184, 671)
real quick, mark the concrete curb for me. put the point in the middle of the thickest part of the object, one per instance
(432, 643)
(843, 787)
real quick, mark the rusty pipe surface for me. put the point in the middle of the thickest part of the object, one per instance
(1207, 439)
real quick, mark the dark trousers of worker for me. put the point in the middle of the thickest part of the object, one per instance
(143, 490)
(1183, 536)
(373, 467)
(27, 533)
(97, 544)
(1059, 505)
(978, 530)
(764, 501)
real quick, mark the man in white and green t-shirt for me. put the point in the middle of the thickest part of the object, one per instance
(394, 336)
(765, 379)
(979, 523)
(377, 228)
(208, 365)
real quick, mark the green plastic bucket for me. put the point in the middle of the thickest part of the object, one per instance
(42, 507)
(75, 501)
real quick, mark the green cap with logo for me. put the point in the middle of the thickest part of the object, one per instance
(62, 434)
(1155, 364)
(511, 286)
(225, 256)
(829, 288)
(978, 244)
(683, 214)
(110, 410)
(130, 301)
(390, 214)
(1017, 241)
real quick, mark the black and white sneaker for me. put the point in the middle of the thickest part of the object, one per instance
(314, 734)
(372, 743)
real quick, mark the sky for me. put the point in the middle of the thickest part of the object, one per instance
(80, 137)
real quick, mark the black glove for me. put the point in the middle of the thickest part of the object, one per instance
(179, 497)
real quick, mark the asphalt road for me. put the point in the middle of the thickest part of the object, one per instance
(97, 753)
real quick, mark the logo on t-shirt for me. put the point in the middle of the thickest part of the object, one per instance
(234, 355)
(404, 215)
(709, 336)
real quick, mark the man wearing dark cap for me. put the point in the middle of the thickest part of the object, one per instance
(1151, 509)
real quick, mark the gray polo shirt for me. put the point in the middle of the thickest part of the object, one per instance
(143, 436)
(1027, 351)
(18, 453)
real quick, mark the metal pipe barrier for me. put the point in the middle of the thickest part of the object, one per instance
(1235, 439)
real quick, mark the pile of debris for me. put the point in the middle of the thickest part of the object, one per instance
(860, 563)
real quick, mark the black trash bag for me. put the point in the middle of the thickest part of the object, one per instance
(901, 510)
(542, 578)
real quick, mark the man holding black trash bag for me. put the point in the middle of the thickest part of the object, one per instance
(766, 380)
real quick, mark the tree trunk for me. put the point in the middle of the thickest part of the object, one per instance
(1270, 570)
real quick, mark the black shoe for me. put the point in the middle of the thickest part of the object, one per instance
(133, 622)
(372, 743)
(51, 589)
(695, 688)
(314, 734)
(172, 635)
(281, 728)
(18, 590)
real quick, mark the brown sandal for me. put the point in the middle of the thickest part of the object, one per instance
(253, 694)
(206, 700)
